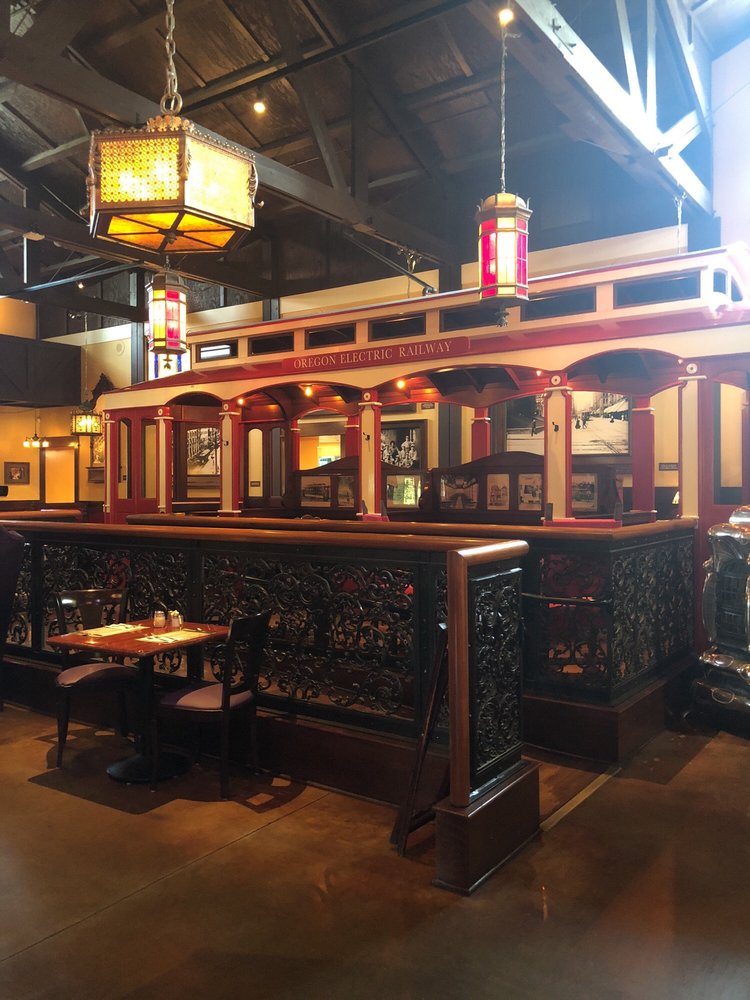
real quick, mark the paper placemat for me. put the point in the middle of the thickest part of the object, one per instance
(113, 629)
(175, 635)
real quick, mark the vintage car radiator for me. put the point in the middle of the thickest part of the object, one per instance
(725, 677)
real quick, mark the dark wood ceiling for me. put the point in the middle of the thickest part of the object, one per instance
(382, 123)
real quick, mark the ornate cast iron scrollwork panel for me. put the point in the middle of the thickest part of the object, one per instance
(567, 644)
(342, 634)
(495, 672)
(653, 607)
(640, 615)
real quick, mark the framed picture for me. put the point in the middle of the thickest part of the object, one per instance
(315, 491)
(403, 491)
(584, 490)
(96, 450)
(203, 451)
(529, 491)
(498, 491)
(458, 492)
(524, 424)
(403, 444)
(17, 473)
(345, 491)
(601, 423)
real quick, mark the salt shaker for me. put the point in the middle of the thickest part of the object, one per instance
(160, 619)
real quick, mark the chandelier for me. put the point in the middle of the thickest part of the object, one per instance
(503, 218)
(170, 186)
(34, 440)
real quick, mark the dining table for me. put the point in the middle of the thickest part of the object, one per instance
(142, 641)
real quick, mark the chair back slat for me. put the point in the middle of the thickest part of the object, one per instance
(244, 649)
(96, 607)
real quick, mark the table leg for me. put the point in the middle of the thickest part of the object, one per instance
(136, 769)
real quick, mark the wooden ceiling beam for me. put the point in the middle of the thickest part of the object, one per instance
(410, 128)
(86, 89)
(57, 25)
(367, 38)
(75, 237)
(292, 52)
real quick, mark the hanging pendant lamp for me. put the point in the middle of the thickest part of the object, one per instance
(170, 186)
(503, 219)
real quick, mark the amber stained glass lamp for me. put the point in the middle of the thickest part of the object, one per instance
(171, 186)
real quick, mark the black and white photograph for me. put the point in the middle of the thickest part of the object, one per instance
(498, 491)
(524, 424)
(315, 491)
(584, 493)
(345, 491)
(458, 492)
(529, 491)
(203, 452)
(600, 423)
(403, 444)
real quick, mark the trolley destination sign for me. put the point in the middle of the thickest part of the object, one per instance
(364, 357)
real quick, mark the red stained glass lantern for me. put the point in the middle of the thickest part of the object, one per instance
(503, 221)
(167, 314)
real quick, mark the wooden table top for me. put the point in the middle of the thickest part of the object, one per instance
(141, 638)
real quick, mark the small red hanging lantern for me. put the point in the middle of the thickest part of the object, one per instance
(503, 221)
(167, 314)
(503, 218)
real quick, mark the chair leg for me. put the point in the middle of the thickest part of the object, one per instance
(63, 716)
(154, 739)
(122, 713)
(254, 758)
(225, 755)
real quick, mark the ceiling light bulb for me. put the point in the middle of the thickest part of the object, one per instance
(401, 384)
(81, 285)
(308, 390)
(259, 106)
(505, 16)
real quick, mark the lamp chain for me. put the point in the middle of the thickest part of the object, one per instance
(503, 54)
(171, 102)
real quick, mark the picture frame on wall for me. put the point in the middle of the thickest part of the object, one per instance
(403, 444)
(600, 424)
(315, 491)
(458, 492)
(529, 491)
(498, 491)
(203, 451)
(584, 492)
(96, 450)
(346, 491)
(17, 473)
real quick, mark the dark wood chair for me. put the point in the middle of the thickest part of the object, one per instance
(11, 556)
(90, 609)
(237, 689)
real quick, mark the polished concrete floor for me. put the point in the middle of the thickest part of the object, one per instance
(638, 888)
